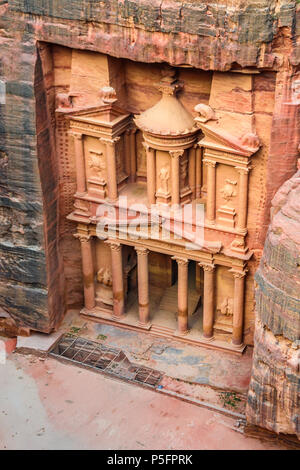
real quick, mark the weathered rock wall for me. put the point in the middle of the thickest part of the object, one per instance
(216, 35)
(274, 393)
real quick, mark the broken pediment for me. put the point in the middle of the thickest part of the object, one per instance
(228, 132)
(106, 113)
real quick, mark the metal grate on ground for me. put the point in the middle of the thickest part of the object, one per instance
(111, 361)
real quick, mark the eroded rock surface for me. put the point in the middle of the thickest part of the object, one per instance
(273, 400)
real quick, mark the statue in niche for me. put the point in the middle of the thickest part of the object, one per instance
(226, 307)
(183, 171)
(97, 163)
(141, 156)
(104, 277)
(228, 191)
(164, 176)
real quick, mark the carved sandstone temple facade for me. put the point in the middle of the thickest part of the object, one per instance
(146, 175)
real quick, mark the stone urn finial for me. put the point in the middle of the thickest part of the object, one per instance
(169, 84)
(205, 112)
(250, 140)
(108, 95)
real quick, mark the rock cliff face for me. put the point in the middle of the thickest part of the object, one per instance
(211, 35)
(216, 35)
(273, 400)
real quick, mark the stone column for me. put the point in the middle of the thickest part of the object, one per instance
(175, 155)
(243, 198)
(87, 270)
(151, 174)
(182, 325)
(211, 191)
(127, 140)
(80, 164)
(192, 170)
(143, 285)
(111, 165)
(209, 300)
(238, 307)
(132, 155)
(117, 278)
(198, 172)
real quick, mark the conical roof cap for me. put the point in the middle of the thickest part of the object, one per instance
(168, 116)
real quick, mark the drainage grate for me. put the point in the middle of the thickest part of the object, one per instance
(111, 361)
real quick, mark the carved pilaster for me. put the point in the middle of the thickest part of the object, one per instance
(111, 166)
(211, 191)
(80, 164)
(243, 198)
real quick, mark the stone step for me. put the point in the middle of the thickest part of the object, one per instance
(161, 330)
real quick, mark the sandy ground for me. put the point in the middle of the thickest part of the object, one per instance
(45, 404)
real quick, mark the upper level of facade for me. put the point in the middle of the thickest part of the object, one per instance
(165, 158)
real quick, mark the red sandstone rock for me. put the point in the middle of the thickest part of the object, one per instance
(273, 400)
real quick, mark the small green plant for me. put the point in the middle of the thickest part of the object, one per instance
(74, 330)
(102, 337)
(229, 399)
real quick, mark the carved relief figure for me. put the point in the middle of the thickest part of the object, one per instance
(226, 307)
(104, 276)
(183, 171)
(97, 163)
(228, 191)
(164, 176)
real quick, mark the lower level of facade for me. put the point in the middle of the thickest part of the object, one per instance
(163, 288)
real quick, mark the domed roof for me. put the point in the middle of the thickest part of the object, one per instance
(168, 116)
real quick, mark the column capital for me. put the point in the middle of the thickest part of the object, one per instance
(242, 170)
(210, 163)
(238, 274)
(141, 250)
(209, 267)
(82, 237)
(176, 153)
(131, 129)
(181, 260)
(114, 245)
(147, 147)
(108, 141)
(76, 135)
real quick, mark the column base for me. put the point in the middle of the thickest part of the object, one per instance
(208, 339)
(145, 326)
(181, 333)
(238, 347)
(118, 318)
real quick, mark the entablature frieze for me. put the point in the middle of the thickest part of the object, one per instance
(176, 251)
(166, 143)
(98, 130)
(226, 159)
